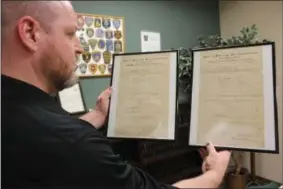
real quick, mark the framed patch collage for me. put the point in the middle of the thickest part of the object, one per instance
(100, 36)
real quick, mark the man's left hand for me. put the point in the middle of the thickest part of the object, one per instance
(97, 116)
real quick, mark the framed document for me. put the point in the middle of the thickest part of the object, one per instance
(234, 98)
(144, 96)
(71, 99)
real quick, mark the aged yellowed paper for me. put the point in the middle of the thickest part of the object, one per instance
(142, 103)
(71, 99)
(231, 98)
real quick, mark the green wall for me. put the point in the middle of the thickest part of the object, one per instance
(179, 23)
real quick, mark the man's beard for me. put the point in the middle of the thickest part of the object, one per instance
(62, 82)
(70, 82)
(55, 73)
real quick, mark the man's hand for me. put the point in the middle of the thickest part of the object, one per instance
(102, 102)
(214, 168)
(97, 116)
(216, 161)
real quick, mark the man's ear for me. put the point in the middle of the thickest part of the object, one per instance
(29, 33)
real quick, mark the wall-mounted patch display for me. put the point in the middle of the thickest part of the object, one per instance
(100, 36)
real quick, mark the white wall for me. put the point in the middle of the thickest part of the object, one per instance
(267, 15)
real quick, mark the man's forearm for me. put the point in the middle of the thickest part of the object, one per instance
(207, 180)
(90, 117)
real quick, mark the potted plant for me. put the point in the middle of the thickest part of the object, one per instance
(237, 175)
(185, 74)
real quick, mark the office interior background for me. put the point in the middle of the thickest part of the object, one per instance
(180, 23)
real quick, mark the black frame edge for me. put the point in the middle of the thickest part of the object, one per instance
(276, 129)
(176, 110)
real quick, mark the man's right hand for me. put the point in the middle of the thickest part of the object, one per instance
(214, 168)
(216, 162)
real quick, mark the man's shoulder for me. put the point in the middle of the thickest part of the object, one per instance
(67, 127)
(36, 120)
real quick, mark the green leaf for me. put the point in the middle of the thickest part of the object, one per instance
(247, 30)
(253, 27)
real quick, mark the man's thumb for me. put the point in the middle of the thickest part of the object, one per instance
(210, 148)
(105, 94)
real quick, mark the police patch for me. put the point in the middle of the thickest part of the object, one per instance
(82, 40)
(84, 44)
(99, 33)
(109, 45)
(102, 68)
(86, 56)
(96, 56)
(107, 57)
(92, 68)
(92, 43)
(116, 23)
(88, 21)
(86, 47)
(109, 34)
(83, 67)
(106, 23)
(109, 68)
(89, 32)
(118, 46)
(80, 21)
(97, 22)
(101, 44)
(118, 34)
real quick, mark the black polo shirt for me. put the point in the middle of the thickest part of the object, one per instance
(44, 147)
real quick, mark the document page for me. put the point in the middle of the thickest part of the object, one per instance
(143, 99)
(150, 41)
(71, 99)
(230, 98)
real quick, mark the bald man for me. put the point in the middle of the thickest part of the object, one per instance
(44, 147)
